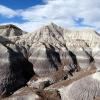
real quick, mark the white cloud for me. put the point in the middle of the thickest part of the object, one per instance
(61, 12)
(7, 12)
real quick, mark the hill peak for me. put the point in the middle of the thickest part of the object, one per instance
(10, 30)
(8, 26)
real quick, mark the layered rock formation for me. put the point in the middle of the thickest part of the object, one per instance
(52, 57)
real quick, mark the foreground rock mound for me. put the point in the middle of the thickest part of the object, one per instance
(24, 94)
(88, 88)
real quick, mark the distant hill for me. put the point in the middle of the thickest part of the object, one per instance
(10, 30)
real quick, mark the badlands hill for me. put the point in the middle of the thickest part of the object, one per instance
(51, 63)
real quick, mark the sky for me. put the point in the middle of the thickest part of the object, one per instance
(29, 15)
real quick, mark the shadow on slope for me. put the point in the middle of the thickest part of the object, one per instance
(18, 68)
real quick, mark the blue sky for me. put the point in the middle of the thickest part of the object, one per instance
(32, 14)
(20, 4)
(15, 5)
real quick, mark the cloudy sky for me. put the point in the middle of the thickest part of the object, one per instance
(31, 14)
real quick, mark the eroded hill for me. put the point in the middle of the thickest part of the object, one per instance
(51, 62)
